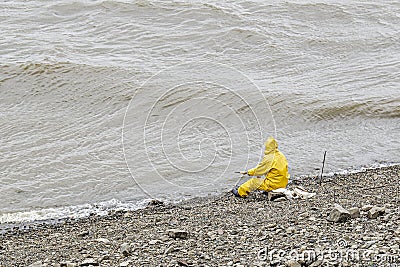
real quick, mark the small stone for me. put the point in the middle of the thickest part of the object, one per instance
(125, 263)
(36, 264)
(125, 249)
(103, 240)
(375, 212)
(170, 249)
(338, 214)
(177, 233)
(397, 232)
(155, 202)
(291, 230)
(153, 242)
(395, 248)
(271, 225)
(84, 233)
(292, 263)
(366, 208)
(220, 231)
(89, 262)
(368, 244)
(316, 263)
(183, 263)
(354, 212)
(67, 264)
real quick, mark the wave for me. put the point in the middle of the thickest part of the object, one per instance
(75, 212)
(374, 108)
(326, 107)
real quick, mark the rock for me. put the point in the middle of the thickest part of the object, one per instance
(395, 248)
(170, 249)
(312, 219)
(103, 240)
(68, 264)
(291, 230)
(354, 212)
(375, 212)
(338, 214)
(89, 262)
(84, 233)
(316, 263)
(155, 202)
(368, 244)
(292, 263)
(153, 242)
(397, 232)
(36, 264)
(234, 232)
(366, 208)
(125, 263)
(177, 233)
(183, 263)
(125, 249)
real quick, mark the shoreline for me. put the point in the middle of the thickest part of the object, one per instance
(224, 230)
(83, 211)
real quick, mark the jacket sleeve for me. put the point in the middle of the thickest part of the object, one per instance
(262, 168)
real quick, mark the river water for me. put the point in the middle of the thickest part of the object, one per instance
(105, 104)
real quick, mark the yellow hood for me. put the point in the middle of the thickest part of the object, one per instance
(271, 145)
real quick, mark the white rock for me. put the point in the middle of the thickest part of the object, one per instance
(153, 242)
(291, 230)
(292, 263)
(125, 263)
(397, 232)
(36, 264)
(338, 214)
(375, 212)
(169, 250)
(366, 208)
(354, 212)
(103, 240)
(125, 249)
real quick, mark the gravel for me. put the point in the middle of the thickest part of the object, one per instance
(229, 231)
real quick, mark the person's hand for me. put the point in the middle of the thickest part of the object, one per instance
(243, 172)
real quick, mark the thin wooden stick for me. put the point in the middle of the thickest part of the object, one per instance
(322, 170)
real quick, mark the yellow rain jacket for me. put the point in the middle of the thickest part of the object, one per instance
(273, 166)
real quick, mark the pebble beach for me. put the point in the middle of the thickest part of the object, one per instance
(229, 231)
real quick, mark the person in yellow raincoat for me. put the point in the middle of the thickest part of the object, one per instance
(273, 170)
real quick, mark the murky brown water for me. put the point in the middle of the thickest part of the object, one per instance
(198, 74)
